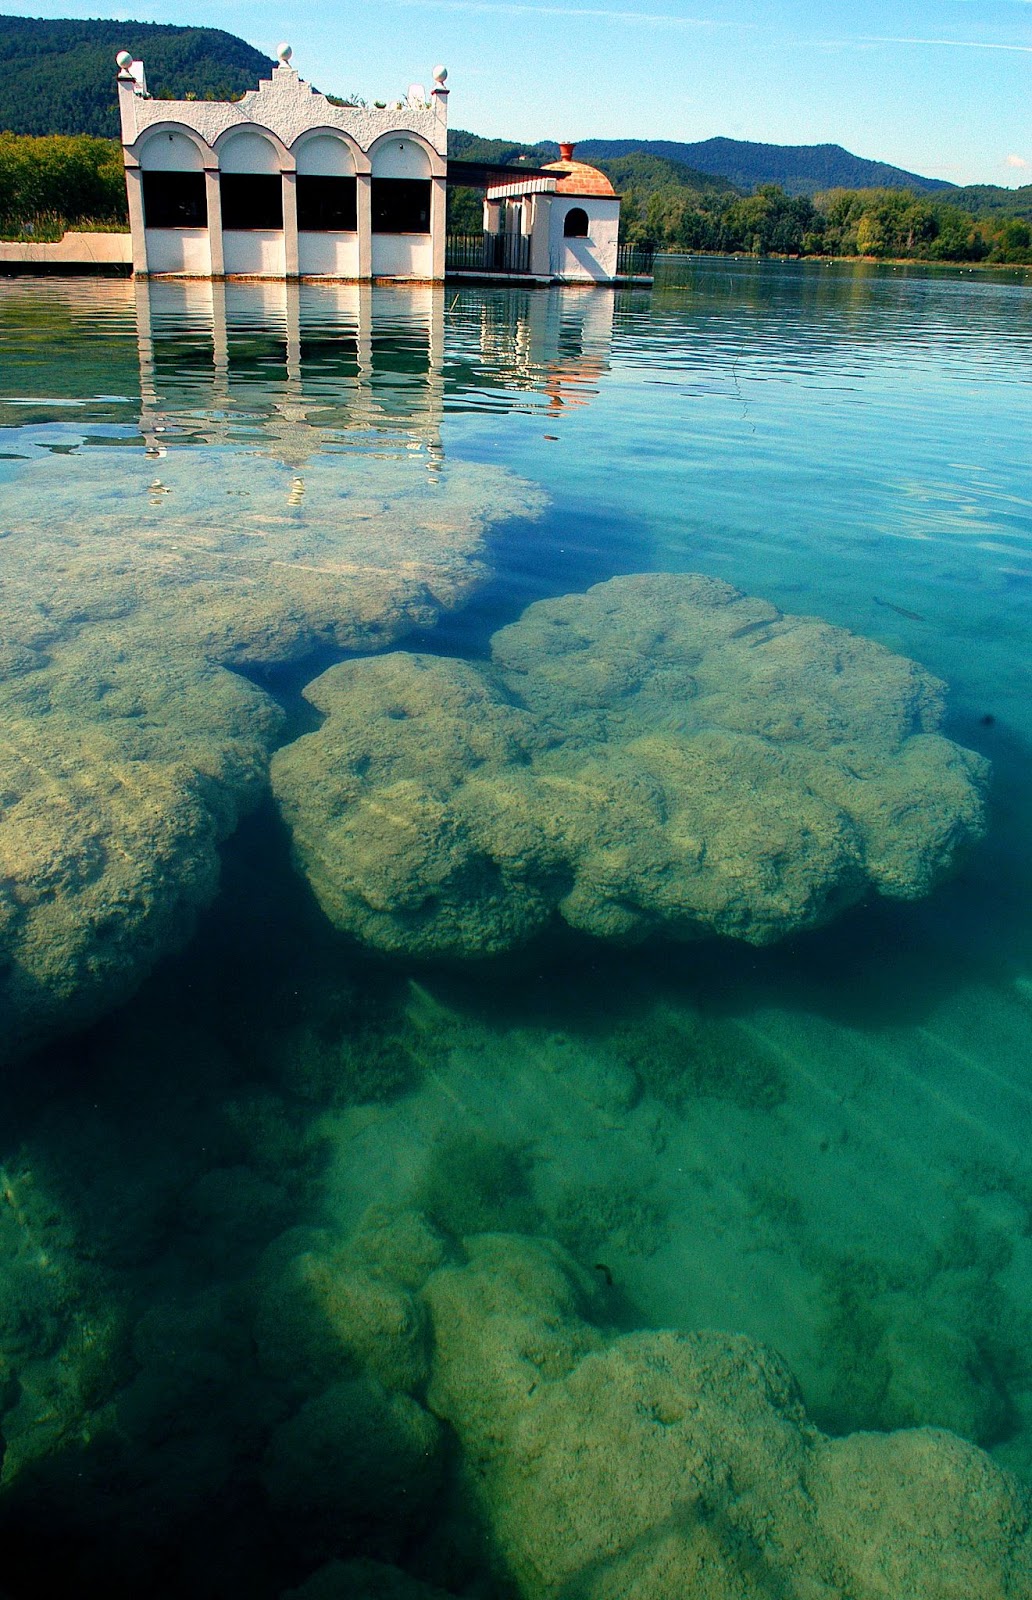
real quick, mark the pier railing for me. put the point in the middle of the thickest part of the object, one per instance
(488, 252)
(635, 260)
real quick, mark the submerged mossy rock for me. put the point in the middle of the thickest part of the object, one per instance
(325, 1314)
(661, 754)
(128, 747)
(110, 824)
(669, 1464)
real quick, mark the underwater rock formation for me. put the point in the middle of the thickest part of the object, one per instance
(661, 754)
(667, 1464)
(127, 750)
(110, 821)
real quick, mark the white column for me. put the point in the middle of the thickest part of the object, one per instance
(541, 222)
(134, 192)
(364, 198)
(438, 224)
(213, 195)
(290, 255)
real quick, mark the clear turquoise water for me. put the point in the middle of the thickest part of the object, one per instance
(822, 1145)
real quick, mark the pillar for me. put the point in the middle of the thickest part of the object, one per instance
(213, 196)
(364, 197)
(134, 192)
(540, 225)
(290, 253)
(438, 224)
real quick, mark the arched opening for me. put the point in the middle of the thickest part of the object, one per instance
(326, 191)
(576, 224)
(400, 187)
(173, 182)
(250, 184)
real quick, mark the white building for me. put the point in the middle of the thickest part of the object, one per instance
(284, 183)
(564, 228)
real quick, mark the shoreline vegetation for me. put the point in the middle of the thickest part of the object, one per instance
(55, 182)
(671, 207)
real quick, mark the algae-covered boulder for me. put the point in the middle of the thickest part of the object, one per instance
(667, 1464)
(128, 750)
(110, 823)
(661, 754)
(325, 1313)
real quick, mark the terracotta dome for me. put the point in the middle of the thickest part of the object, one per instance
(578, 177)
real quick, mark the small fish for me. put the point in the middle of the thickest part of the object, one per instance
(552, 437)
(901, 611)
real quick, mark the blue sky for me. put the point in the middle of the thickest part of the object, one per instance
(941, 88)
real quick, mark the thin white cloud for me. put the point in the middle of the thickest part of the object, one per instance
(507, 9)
(1019, 162)
(951, 44)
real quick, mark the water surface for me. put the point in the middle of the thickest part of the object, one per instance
(822, 1145)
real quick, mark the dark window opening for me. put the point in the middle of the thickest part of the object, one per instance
(174, 200)
(251, 200)
(326, 205)
(401, 205)
(576, 224)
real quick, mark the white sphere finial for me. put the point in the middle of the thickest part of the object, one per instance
(123, 60)
(440, 74)
(285, 52)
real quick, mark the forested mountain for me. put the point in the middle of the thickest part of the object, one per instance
(464, 146)
(797, 168)
(987, 199)
(59, 77)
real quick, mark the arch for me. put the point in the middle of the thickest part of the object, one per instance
(170, 147)
(313, 153)
(575, 223)
(386, 163)
(327, 195)
(252, 149)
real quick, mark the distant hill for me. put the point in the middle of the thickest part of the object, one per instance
(645, 173)
(987, 200)
(798, 168)
(59, 76)
(641, 168)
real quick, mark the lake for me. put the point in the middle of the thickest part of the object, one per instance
(506, 1101)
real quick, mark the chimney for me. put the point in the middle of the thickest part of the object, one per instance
(566, 150)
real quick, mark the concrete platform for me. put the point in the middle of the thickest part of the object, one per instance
(76, 252)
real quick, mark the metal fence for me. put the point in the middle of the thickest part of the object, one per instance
(488, 252)
(635, 260)
(510, 253)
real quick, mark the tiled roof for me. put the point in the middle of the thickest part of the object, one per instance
(579, 178)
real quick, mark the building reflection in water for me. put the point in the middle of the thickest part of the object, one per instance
(295, 370)
(556, 343)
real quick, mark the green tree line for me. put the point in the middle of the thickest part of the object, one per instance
(675, 211)
(674, 207)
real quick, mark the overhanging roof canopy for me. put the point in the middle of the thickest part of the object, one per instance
(483, 174)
